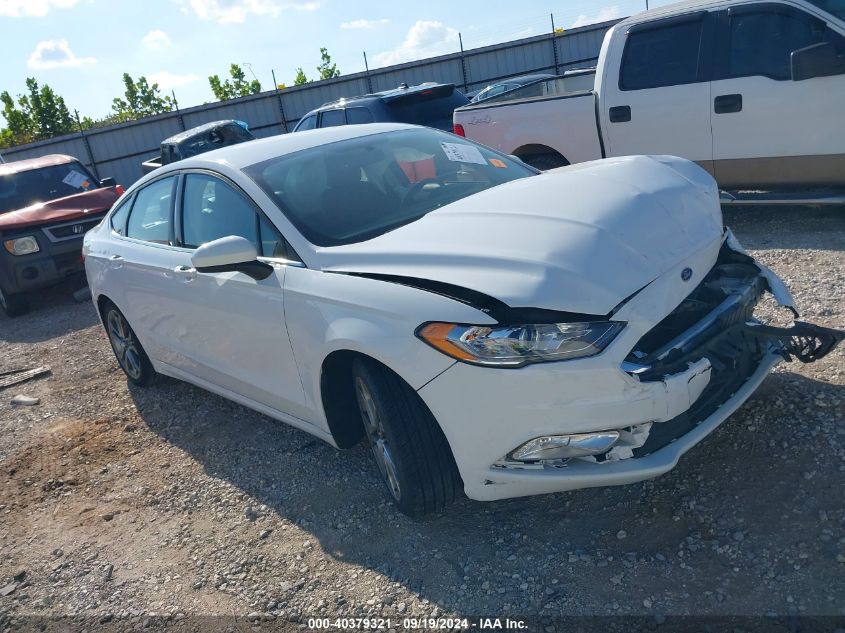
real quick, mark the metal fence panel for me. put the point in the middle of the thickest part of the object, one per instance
(118, 150)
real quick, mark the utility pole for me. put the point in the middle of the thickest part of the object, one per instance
(284, 121)
(178, 112)
(367, 69)
(463, 61)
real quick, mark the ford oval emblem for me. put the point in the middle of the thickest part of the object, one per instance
(686, 274)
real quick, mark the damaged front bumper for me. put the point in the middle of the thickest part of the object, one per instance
(674, 385)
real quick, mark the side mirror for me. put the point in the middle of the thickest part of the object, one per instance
(816, 60)
(229, 254)
(108, 182)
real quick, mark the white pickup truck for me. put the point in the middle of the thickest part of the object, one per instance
(751, 90)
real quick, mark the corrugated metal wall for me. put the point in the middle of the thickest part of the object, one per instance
(118, 150)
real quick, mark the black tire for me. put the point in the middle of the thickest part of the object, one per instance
(130, 355)
(425, 477)
(544, 162)
(13, 305)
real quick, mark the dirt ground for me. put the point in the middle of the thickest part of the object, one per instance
(152, 507)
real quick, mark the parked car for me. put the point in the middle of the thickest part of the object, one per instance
(46, 206)
(428, 104)
(198, 140)
(751, 91)
(489, 328)
(508, 84)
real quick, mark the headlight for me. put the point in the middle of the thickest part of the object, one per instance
(518, 345)
(22, 245)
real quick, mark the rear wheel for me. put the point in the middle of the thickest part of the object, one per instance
(13, 305)
(411, 452)
(131, 357)
(544, 162)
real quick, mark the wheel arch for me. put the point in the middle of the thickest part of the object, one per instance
(337, 395)
(537, 149)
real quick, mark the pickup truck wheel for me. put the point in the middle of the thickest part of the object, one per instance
(410, 450)
(544, 162)
(131, 357)
(13, 305)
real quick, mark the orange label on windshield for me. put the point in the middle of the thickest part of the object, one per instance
(497, 163)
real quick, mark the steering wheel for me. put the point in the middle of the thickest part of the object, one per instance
(417, 187)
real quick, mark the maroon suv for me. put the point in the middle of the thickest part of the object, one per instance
(46, 206)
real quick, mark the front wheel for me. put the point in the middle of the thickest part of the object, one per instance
(13, 305)
(411, 452)
(131, 357)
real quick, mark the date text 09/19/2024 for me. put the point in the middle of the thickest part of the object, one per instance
(443, 624)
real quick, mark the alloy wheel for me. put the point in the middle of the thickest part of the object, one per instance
(374, 427)
(123, 344)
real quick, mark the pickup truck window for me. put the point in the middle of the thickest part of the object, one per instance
(662, 56)
(762, 42)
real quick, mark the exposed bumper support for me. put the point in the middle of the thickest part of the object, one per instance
(805, 341)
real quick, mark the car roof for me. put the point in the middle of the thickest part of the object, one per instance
(205, 127)
(244, 154)
(29, 164)
(400, 91)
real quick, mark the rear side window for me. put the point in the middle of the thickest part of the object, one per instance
(358, 115)
(432, 107)
(662, 56)
(762, 42)
(149, 219)
(118, 218)
(333, 118)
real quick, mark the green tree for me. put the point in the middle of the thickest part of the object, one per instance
(36, 115)
(300, 78)
(238, 86)
(327, 69)
(141, 99)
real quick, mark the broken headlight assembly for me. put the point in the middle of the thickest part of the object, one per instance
(518, 345)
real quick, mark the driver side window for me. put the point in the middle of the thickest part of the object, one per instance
(212, 208)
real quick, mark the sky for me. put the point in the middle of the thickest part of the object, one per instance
(82, 47)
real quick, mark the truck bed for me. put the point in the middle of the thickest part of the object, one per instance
(521, 121)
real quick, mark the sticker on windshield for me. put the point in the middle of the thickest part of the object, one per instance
(498, 163)
(75, 179)
(460, 153)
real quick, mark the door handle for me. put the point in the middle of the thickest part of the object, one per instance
(620, 114)
(116, 261)
(186, 272)
(725, 104)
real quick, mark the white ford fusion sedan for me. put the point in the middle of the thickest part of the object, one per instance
(487, 328)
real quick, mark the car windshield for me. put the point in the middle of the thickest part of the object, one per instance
(353, 190)
(835, 7)
(22, 189)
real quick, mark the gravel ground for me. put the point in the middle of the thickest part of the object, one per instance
(143, 507)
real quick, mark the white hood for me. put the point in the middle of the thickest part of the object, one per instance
(578, 239)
